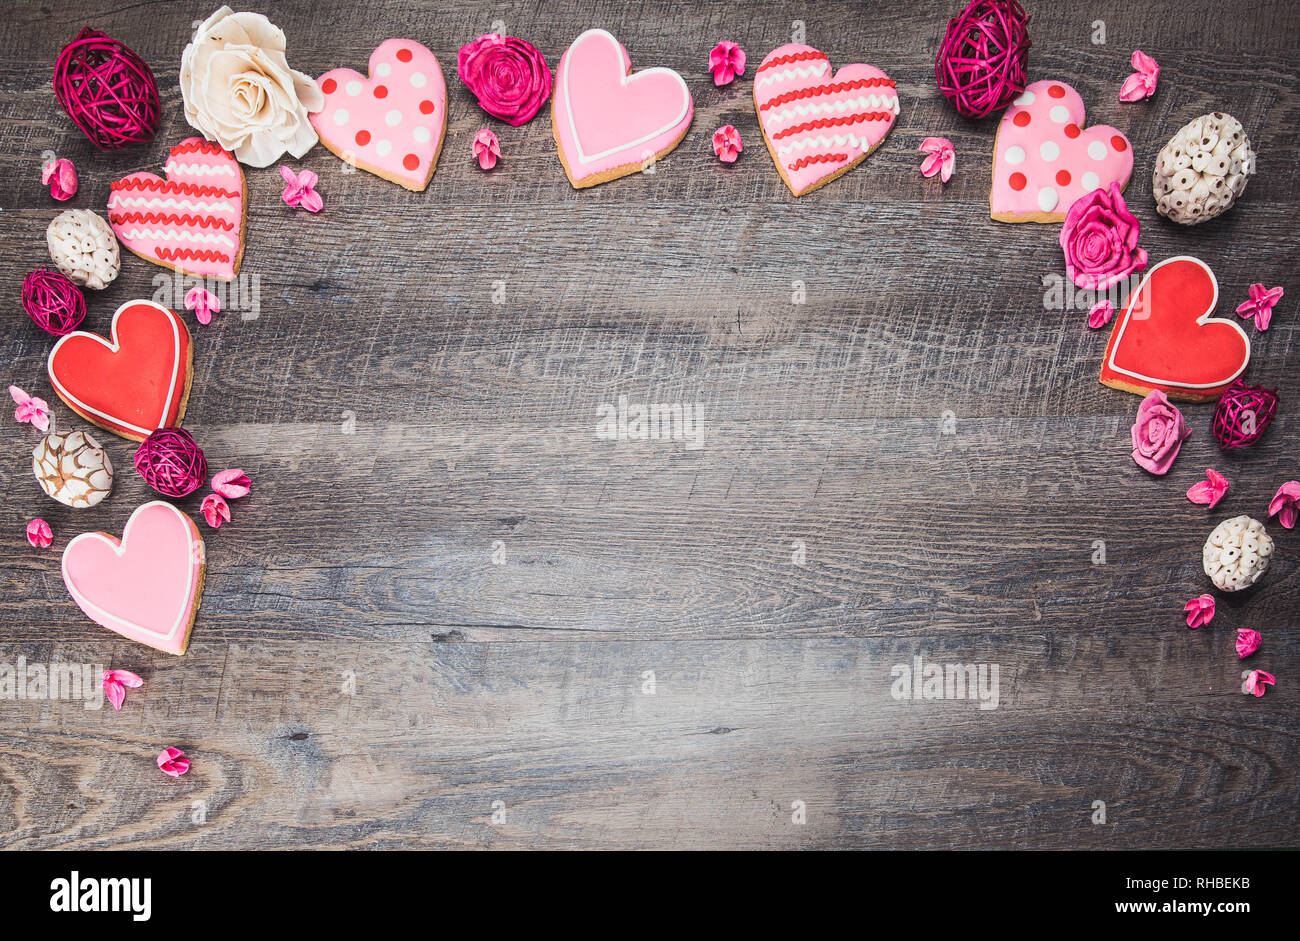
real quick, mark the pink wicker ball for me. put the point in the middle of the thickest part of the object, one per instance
(980, 66)
(107, 90)
(170, 461)
(1243, 414)
(51, 299)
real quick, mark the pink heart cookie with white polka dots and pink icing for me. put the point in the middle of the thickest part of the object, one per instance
(1044, 159)
(392, 123)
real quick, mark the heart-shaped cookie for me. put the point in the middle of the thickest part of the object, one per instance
(1166, 338)
(1044, 159)
(133, 384)
(145, 586)
(392, 123)
(193, 221)
(820, 125)
(608, 121)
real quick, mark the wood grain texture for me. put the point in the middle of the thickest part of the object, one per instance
(406, 431)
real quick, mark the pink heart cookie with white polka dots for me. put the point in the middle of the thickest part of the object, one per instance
(391, 124)
(1044, 159)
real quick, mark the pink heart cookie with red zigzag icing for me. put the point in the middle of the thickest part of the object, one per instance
(391, 123)
(1044, 159)
(193, 221)
(820, 125)
(145, 586)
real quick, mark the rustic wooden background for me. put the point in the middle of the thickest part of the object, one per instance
(401, 428)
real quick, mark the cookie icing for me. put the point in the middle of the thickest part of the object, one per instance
(392, 122)
(145, 586)
(606, 118)
(132, 384)
(1044, 159)
(1168, 339)
(193, 220)
(819, 124)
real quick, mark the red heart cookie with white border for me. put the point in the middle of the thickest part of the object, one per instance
(820, 125)
(391, 123)
(145, 586)
(1167, 339)
(193, 221)
(133, 384)
(1044, 159)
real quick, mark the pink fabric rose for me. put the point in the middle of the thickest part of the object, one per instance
(727, 144)
(726, 61)
(1099, 239)
(1158, 433)
(508, 76)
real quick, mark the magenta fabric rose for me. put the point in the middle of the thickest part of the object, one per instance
(1099, 239)
(509, 77)
(1158, 433)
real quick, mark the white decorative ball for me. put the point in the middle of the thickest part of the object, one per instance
(1237, 553)
(73, 469)
(84, 248)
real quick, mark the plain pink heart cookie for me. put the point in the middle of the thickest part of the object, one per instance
(393, 123)
(819, 125)
(194, 220)
(1043, 159)
(145, 586)
(608, 121)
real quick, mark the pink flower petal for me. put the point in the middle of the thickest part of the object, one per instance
(1261, 304)
(232, 484)
(215, 510)
(1142, 83)
(39, 534)
(1209, 491)
(61, 176)
(1258, 680)
(1200, 611)
(726, 61)
(116, 694)
(1247, 642)
(1101, 314)
(486, 148)
(117, 682)
(204, 304)
(941, 158)
(171, 763)
(30, 409)
(299, 191)
(1285, 504)
(727, 143)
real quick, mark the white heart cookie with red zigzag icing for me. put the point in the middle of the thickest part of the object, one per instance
(819, 125)
(194, 220)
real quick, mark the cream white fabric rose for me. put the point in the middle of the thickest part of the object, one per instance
(240, 92)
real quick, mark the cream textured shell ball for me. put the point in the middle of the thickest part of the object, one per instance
(1237, 553)
(1203, 169)
(73, 469)
(84, 248)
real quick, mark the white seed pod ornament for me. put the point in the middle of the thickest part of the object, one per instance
(84, 248)
(1237, 553)
(1203, 169)
(73, 469)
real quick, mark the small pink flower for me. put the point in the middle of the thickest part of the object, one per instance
(117, 682)
(486, 148)
(233, 483)
(30, 409)
(171, 763)
(300, 190)
(1261, 304)
(1158, 433)
(941, 158)
(61, 176)
(727, 144)
(1210, 490)
(1285, 504)
(726, 61)
(39, 534)
(215, 510)
(1101, 313)
(1247, 642)
(1142, 83)
(1257, 680)
(204, 304)
(1200, 611)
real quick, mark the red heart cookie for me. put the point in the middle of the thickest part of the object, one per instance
(134, 384)
(193, 221)
(1044, 159)
(820, 125)
(1167, 340)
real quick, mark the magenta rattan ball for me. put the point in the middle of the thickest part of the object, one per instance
(107, 90)
(55, 304)
(980, 66)
(1243, 414)
(170, 461)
